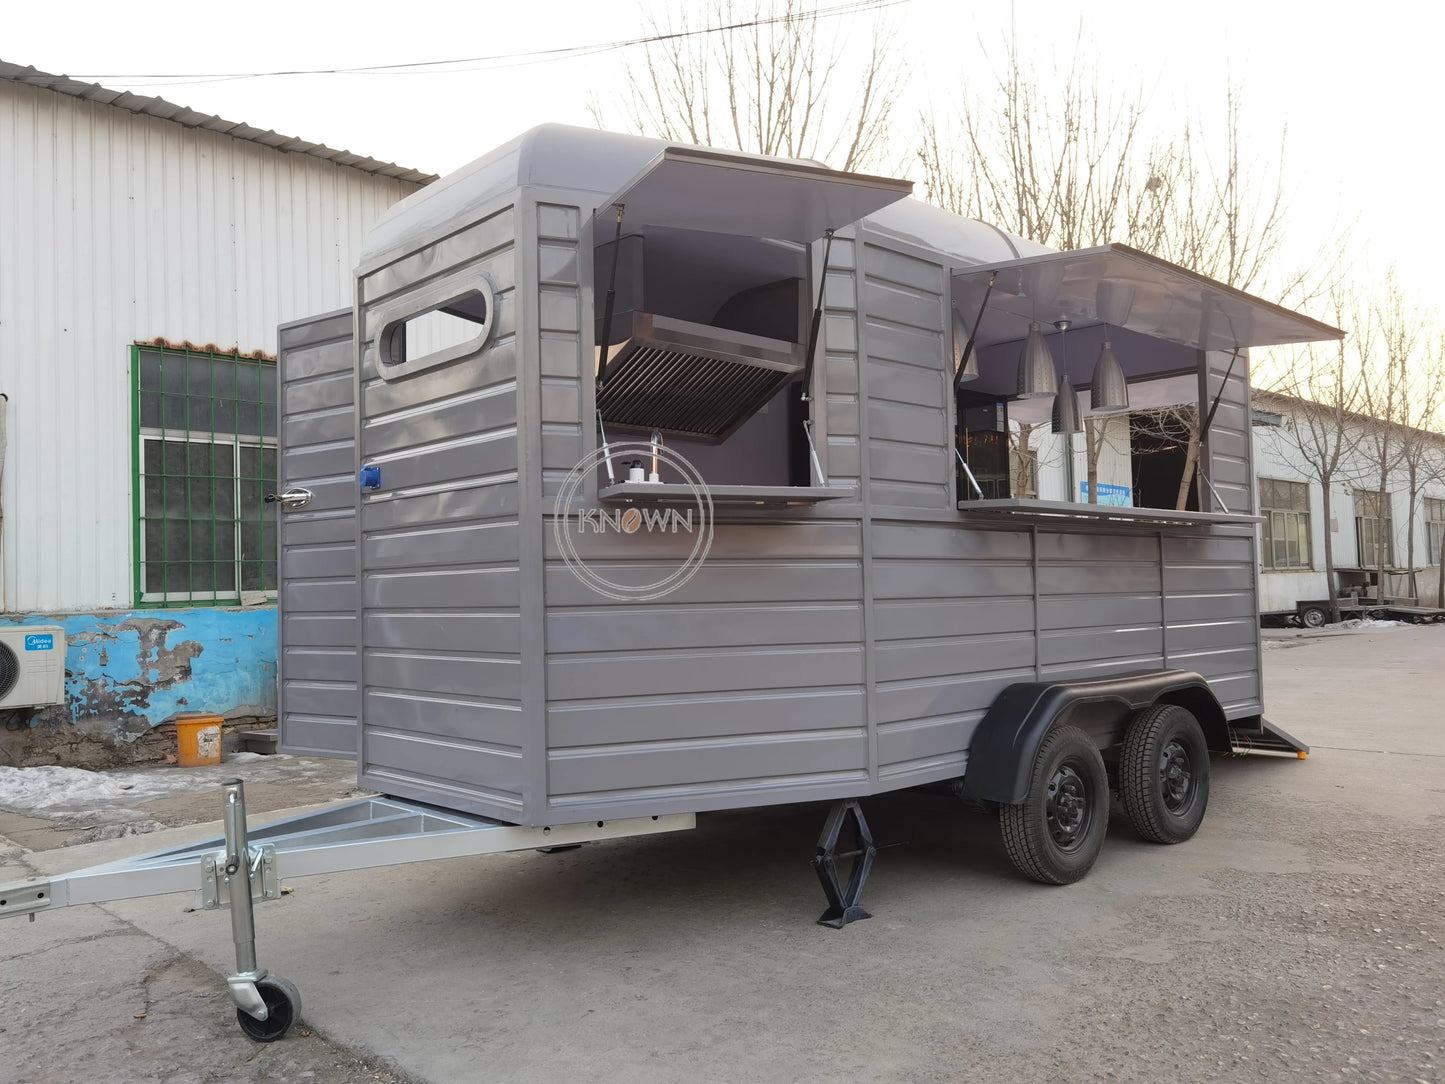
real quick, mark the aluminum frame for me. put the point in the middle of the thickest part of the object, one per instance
(364, 834)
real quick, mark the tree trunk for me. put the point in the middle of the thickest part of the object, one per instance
(1093, 437)
(1191, 461)
(1410, 536)
(1383, 542)
(1334, 594)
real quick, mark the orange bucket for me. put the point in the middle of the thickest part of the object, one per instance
(198, 738)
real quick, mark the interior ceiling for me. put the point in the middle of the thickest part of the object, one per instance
(1121, 287)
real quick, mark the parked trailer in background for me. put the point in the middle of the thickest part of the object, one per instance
(670, 501)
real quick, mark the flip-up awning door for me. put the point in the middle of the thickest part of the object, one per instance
(693, 188)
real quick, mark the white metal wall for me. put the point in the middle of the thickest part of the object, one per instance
(1277, 456)
(117, 227)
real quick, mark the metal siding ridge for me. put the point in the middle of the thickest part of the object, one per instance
(192, 118)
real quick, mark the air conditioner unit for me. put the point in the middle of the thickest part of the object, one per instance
(32, 666)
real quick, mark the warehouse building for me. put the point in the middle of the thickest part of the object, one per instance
(147, 254)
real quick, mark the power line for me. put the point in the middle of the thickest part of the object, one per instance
(500, 60)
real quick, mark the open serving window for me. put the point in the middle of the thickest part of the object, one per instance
(1149, 358)
(707, 315)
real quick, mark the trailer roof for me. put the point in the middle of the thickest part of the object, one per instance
(563, 157)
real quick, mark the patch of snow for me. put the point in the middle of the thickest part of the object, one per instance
(23, 790)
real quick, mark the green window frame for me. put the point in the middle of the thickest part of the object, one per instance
(1285, 533)
(203, 458)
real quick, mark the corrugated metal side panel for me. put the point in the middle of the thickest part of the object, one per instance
(908, 440)
(1228, 452)
(120, 227)
(743, 687)
(842, 424)
(560, 343)
(1212, 613)
(1100, 606)
(317, 666)
(439, 595)
(953, 623)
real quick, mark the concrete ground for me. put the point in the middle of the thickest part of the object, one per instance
(1298, 935)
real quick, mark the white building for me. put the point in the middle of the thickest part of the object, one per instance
(147, 255)
(1408, 531)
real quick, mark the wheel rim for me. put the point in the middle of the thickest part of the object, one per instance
(1176, 777)
(278, 1015)
(1070, 808)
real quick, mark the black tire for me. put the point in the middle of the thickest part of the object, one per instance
(1164, 774)
(283, 1008)
(1055, 834)
(1313, 617)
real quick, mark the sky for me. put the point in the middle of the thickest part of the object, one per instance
(1355, 87)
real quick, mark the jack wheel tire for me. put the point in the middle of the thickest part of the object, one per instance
(1164, 774)
(283, 1008)
(1055, 834)
(1312, 617)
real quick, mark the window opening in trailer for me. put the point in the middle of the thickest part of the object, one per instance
(436, 335)
(204, 457)
(1285, 532)
(708, 276)
(708, 335)
(1157, 360)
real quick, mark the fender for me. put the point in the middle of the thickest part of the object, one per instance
(1001, 755)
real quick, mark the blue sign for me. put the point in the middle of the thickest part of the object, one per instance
(40, 641)
(1121, 496)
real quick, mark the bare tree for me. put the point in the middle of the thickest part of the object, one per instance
(769, 76)
(1387, 346)
(1420, 408)
(1061, 160)
(1323, 384)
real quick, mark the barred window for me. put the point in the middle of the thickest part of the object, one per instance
(1285, 539)
(1434, 529)
(1374, 532)
(204, 459)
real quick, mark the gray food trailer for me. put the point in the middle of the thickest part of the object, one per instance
(644, 480)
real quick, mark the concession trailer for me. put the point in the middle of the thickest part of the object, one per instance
(643, 480)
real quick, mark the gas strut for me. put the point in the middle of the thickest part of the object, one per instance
(611, 299)
(817, 319)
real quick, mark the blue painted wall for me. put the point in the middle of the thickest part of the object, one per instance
(133, 670)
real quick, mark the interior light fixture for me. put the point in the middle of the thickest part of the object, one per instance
(1037, 376)
(1108, 390)
(1065, 417)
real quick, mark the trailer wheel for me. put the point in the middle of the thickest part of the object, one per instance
(1312, 617)
(1054, 835)
(1164, 774)
(283, 1007)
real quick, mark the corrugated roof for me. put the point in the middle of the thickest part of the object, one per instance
(190, 118)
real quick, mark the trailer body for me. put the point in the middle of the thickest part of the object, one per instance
(857, 614)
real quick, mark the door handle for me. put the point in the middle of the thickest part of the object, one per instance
(291, 499)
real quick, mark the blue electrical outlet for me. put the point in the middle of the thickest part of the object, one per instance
(370, 477)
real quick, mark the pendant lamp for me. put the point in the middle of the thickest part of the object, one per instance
(1065, 417)
(1108, 390)
(1037, 376)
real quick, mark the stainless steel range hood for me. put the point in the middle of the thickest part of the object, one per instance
(691, 380)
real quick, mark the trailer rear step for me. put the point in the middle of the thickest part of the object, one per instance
(1259, 735)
